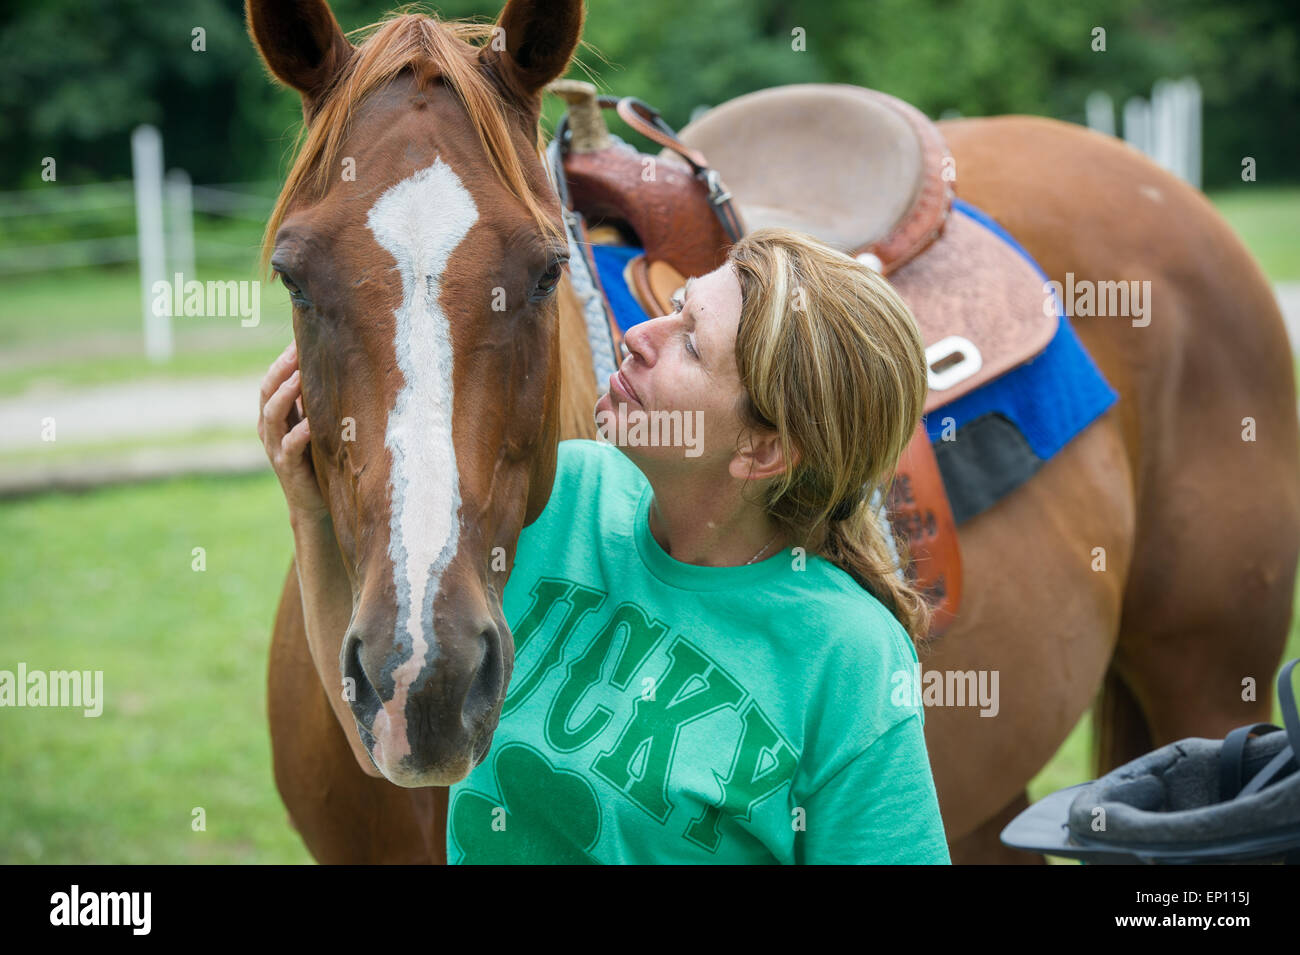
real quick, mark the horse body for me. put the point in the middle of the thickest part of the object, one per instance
(1197, 528)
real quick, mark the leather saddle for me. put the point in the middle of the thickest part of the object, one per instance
(864, 172)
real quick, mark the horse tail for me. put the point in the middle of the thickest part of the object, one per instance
(1120, 732)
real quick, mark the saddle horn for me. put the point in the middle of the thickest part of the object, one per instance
(589, 130)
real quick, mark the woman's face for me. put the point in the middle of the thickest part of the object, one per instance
(682, 362)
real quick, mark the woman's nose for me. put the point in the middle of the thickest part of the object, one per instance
(644, 338)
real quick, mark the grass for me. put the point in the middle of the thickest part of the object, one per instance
(55, 451)
(1268, 221)
(66, 306)
(83, 326)
(115, 369)
(103, 581)
(57, 305)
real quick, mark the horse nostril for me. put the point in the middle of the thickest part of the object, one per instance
(486, 687)
(364, 699)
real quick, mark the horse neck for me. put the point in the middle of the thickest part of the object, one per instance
(578, 392)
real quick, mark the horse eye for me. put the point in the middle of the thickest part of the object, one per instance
(289, 283)
(550, 279)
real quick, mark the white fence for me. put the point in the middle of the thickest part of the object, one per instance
(1167, 127)
(163, 241)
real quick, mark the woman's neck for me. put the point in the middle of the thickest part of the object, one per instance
(712, 530)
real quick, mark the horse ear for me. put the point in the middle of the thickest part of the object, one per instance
(301, 43)
(533, 44)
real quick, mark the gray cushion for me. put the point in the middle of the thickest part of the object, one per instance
(1171, 797)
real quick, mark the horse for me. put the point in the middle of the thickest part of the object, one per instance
(1198, 526)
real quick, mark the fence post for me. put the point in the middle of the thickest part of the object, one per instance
(1193, 92)
(1137, 124)
(180, 224)
(1101, 112)
(147, 165)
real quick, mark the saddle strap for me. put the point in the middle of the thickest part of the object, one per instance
(652, 126)
(1231, 756)
(919, 510)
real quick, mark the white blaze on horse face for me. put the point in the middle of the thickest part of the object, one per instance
(420, 221)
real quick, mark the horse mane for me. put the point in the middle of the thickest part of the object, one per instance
(431, 49)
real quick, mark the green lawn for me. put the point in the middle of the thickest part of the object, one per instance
(1268, 221)
(103, 581)
(84, 326)
(59, 452)
(69, 306)
(247, 359)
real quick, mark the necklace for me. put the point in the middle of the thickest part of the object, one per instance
(765, 547)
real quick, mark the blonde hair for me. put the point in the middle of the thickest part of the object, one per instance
(830, 357)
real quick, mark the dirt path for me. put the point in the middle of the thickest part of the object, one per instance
(148, 420)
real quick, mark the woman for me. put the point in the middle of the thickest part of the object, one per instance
(728, 673)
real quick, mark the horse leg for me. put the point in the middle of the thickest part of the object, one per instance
(343, 815)
(1044, 572)
(983, 847)
(1209, 603)
(1208, 411)
(1210, 600)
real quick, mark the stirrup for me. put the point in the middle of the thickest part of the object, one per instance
(1161, 808)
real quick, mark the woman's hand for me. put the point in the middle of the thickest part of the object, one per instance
(322, 578)
(286, 434)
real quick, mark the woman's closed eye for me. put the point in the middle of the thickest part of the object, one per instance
(678, 304)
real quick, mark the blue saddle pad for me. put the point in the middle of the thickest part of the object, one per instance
(1009, 428)
(611, 260)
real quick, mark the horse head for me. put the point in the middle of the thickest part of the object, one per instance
(422, 245)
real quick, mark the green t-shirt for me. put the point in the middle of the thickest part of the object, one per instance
(663, 712)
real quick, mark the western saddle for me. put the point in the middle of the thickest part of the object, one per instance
(864, 172)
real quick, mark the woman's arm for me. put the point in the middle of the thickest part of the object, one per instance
(323, 581)
(880, 808)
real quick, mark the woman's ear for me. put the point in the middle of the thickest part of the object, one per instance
(760, 456)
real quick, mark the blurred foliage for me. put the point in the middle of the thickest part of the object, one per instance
(78, 78)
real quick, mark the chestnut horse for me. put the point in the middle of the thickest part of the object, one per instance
(1153, 558)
